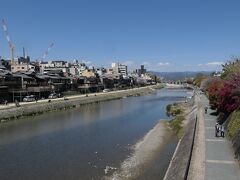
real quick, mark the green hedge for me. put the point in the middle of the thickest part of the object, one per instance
(234, 124)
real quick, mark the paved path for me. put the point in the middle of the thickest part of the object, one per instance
(219, 158)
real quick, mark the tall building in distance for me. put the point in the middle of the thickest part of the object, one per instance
(141, 71)
(119, 68)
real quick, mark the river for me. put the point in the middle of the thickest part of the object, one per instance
(80, 143)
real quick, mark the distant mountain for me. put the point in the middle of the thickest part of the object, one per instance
(173, 76)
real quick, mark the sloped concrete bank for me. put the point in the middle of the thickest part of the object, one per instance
(39, 108)
(180, 163)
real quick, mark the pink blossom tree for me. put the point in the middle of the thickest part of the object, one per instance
(213, 92)
(229, 99)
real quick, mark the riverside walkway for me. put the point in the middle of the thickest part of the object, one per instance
(219, 157)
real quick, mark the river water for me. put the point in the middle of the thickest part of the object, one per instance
(80, 143)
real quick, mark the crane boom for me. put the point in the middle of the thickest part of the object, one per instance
(10, 44)
(47, 51)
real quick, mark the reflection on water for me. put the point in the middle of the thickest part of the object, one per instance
(79, 143)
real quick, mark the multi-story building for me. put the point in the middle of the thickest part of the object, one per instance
(88, 73)
(77, 68)
(24, 60)
(122, 69)
(119, 68)
(109, 71)
(101, 71)
(24, 67)
(60, 63)
(54, 65)
(141, 71)
(21, 64)
(44, 65)
(5, 64)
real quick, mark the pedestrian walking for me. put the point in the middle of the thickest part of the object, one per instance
(216, 129)
(222, 131)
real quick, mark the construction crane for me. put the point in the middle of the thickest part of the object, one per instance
(47, 51)
(10, 44)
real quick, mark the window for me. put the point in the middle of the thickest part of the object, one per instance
(22, 67)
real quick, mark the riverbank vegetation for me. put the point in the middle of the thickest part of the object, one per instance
(173, 109)
(177, 111)
(234, 124)
(223, 90)
(176, 124)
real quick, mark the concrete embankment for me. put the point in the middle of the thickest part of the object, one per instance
(179, 165)
(41, 107)
(197, 164)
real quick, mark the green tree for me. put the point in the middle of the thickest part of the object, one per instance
(198, 79)
(229, 99)
(208, 81)
(230, 68)
(213, 92)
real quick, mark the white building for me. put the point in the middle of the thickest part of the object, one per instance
(54, 65)
(119, 68)
(22, 67)
(74, 71)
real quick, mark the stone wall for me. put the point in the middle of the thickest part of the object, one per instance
(38, 108)
(179, 165)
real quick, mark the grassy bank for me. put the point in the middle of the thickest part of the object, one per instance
(179, 112)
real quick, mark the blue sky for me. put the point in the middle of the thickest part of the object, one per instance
(165, 35)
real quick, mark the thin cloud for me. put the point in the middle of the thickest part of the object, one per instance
(145, 63)
(163, 64)
(87, 62)
(215, 63)
(128, 63)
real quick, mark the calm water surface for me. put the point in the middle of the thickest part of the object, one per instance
(80, 143)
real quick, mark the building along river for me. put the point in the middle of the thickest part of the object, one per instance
(105, 140)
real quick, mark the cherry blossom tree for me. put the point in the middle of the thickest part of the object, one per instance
(228, 98)
(213, 92)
